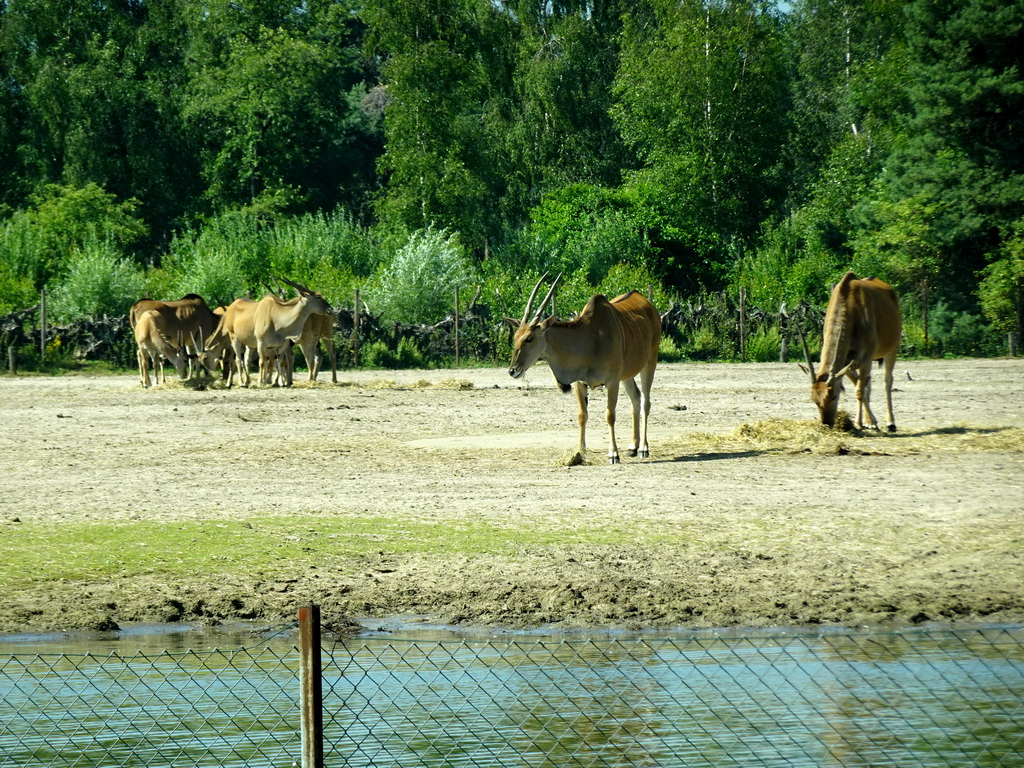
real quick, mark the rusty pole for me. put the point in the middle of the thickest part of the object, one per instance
(311, 685)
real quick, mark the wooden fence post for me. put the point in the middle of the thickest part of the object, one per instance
(11, 364)
(743, 325)
(42, 325)
(456, 326)
(355, 332)
(311, 687)
(783, 327)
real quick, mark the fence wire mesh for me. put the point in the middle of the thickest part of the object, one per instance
(920, 697)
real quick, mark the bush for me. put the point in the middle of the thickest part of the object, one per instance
(960, 333)
(669, 351)
(217, 265)
(418, 286)
(763, 345)
(377, 354)
(409, 355)
(98, 282)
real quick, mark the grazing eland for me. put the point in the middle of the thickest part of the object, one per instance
(154, 345)
(188, 320)
(608, 343)
(862, 325)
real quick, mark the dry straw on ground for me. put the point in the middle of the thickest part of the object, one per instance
(790, 436)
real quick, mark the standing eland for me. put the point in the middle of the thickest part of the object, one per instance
(278, 324)
(862, 325)
(609, 342)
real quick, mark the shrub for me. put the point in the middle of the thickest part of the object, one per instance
(409, 355)
(98, 282)
(669, 351)
(209, 265)
(418, 286)
(763, 345)
(377, 355)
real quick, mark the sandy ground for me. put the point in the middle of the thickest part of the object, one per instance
(715, 529)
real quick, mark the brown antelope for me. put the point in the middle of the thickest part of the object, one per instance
(319, 327)
(188, 320)
(609, 342)
(155, 345)
(278, 323)
(237, 332)
(862, 324)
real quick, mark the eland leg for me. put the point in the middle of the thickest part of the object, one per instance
(646, 381)
(581, 414)
(889, 362)
(864, 398)
(332, 356)
(634, 401)
(613, 398)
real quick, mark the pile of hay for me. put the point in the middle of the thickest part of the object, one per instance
(793, 437)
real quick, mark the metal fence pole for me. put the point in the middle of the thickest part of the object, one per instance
(311, 685)
(456, 326)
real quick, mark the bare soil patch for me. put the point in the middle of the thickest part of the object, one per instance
(746, 513)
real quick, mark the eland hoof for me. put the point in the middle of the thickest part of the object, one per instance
(613, 459)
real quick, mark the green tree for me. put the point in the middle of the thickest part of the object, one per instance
(439, 61)
(275, 102)
(962, 154)
(555, 121)
(95, 101)
(701, 90)
(38, 242)
(1002, 286)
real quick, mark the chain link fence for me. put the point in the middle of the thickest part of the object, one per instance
(920, 698)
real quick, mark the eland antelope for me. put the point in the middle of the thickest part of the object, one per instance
(279, 323)
(155, 345)
(188, 321)
(862, 324)
(319, 327)
(609, 342)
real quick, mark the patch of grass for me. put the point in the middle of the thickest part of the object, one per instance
(32, 553)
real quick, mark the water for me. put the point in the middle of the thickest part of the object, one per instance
(430, 697)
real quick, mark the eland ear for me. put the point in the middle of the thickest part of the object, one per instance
(513, 322)
(804, 369)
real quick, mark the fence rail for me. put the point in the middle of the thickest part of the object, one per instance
(921, 697)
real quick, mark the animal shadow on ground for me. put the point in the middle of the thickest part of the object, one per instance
(712, 456)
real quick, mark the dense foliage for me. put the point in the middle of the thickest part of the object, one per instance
(405, 148)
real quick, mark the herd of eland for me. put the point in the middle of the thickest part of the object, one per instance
(608, 344)
(192, 336)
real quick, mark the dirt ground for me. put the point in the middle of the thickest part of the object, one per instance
(722, 526)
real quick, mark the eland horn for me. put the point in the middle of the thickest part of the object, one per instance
(551, 292)
(529, 301)
(303, 290)
(807, 354)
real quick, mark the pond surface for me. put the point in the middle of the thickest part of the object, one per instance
(434, 697)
